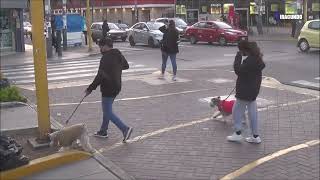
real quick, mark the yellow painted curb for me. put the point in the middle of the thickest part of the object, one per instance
(45, 163)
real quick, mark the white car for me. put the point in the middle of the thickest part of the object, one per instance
(146, 33)
(27, 28)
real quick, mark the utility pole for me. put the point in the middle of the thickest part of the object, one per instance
(136, 11)
(88, 18)
(40, 70)
(48, 34)
(64, 30)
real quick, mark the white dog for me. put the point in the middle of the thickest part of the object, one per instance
(68, 137)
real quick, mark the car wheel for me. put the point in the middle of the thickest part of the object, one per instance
(222, 41)
(151, 42)
(131, 41)
(210, 43)
(193, 40)
(304, 46)
(124, 39)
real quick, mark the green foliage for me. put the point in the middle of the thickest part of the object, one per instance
(11, 93)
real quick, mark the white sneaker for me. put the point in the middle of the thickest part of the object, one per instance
(161, 76)
(174, 78)
(252, 139)
(235, 137)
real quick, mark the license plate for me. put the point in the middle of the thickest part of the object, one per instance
(243, 38)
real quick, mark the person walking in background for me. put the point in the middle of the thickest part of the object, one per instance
(84, 30)
(105, 29)
(169, 48)
(248, 84)
(109, 78)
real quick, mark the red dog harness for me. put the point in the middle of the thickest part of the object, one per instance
(226, 106)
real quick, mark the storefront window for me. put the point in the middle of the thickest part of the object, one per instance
(180, 9)
(215, 8)
(274, 7)
(316, 6)
(6, 29)
(291, 7)
(226, 8)
(204, 9)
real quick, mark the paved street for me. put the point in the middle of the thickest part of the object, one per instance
(174, 136)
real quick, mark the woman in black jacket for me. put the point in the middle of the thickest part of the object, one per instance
(109, 78)
(248, 84)
(169, 47)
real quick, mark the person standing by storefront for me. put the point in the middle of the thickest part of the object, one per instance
(169, 48)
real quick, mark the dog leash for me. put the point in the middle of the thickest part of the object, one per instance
(230, 93)
(76, 108)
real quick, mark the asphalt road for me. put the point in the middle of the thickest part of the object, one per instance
(283, 60)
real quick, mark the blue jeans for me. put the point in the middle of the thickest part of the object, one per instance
(238, 112)
(173, 62)
(109, 115)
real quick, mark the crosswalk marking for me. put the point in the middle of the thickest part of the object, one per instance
(71, 70)
(317, 78)
(307, 83)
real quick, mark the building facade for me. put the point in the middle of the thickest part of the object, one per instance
(11, 23)
(195, 10)
(126, 11)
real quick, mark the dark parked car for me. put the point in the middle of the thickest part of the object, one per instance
(214, 31)
(181, 26)
(115, 32)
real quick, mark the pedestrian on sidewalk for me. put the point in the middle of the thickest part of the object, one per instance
(105, 29)
(109, 78)
(169, 48)
(249, 73)
(84, 30)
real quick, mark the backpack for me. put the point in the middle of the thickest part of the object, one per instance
(10, 154)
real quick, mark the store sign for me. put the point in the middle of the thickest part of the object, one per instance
(295, 16)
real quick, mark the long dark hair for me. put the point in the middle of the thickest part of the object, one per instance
(250, 48)
(254, 50)
(172, 25)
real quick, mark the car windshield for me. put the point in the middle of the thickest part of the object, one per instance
(113, 26)
(223, 25)
(122, 26)
(154, 26)
(180, 22)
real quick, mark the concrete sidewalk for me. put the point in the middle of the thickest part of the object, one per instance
(272, 34)
(19, 118)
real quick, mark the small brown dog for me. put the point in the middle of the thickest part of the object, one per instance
(68, 137)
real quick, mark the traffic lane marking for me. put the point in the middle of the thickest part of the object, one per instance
(265, 159)
(138, 98)
(167, 129)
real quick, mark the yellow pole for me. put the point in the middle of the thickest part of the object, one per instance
(40, 68)
(305, 10)
(88, 17)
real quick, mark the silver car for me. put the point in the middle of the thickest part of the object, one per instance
(146, 33)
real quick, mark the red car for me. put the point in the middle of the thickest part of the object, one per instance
(214, 31)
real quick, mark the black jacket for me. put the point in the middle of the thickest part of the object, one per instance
(105, 29)
(109, 74)
(249, 79)
(169, 43)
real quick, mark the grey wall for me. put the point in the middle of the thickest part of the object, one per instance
(13, 3)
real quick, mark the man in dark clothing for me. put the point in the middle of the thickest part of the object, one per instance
(109, 78)
(105, 29)
(169, 48)
(248, 84)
